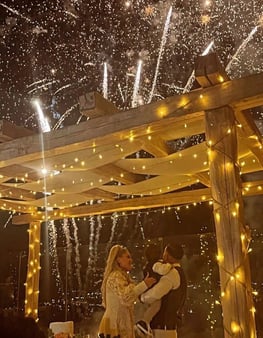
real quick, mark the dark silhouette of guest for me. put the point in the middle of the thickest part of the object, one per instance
(17, 326)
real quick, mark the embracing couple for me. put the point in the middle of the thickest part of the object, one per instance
(119, 293)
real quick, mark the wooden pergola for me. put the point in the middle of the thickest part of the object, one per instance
(65, 172)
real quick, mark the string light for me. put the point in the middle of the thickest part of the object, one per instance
(32, 287)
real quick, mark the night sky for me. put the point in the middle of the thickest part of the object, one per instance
(55, 50)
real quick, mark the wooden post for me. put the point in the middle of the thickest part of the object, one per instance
(232, 237)
(33, 271)
(226, 189)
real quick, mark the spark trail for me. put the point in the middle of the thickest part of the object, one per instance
(136, 85)
(115, 219)
(14, 11)
(241, 48)
(68, 248)
(105, 81)
(64, 116)
(120, 90)
(163, 42)
(36, 82)
(52, 243)
(43, 122)
(97, 237)
(42, 86)
(91, 259)
(77, 254)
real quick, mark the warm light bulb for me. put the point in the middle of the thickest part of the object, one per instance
(235, 328)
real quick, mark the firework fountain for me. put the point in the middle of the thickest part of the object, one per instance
(136, 85)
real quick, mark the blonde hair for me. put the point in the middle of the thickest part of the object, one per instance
(111, 265)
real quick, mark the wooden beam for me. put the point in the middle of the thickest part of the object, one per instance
(9, 131)
(93, 105)
(252, 188)
(250, 133)
(16, 206)
(209, 71)
(133, 123)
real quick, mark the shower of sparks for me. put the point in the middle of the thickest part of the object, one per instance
(241, 48)
(66, 230)
(105, 81)
(45, 85)
(43, 122)
(140, 225)
(56, 49)
(121, 93)
(163, 42)
(36, 83)
(97, 236)
(62, 88)
(91, 259)
(8, 220)
(64, 116)
(124, 226)
(52, 243)
(77, 254)
(115, 219)
(136, 85)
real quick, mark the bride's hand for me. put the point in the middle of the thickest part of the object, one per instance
(149, 281)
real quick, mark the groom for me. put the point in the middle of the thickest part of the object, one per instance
(171, 289)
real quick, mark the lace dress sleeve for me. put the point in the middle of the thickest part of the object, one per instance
(126, 290)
